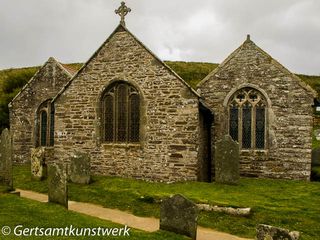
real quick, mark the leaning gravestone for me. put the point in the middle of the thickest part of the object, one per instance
(38, 167)
(6, 159)
(80, 168)
(266, 232)
(227, 161)
(179, 215)
(57, 184)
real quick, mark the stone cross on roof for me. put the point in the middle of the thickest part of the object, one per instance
(122, 11)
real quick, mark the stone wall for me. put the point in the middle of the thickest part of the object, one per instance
(169, 135)
(43, 86)
(289, 112)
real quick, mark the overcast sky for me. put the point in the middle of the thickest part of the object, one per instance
(189, 30)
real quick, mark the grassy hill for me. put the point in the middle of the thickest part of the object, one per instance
(12, 80)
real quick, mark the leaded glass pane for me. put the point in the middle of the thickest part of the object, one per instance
(43, 129)
(246, 126)
(233, 124)
(260, 127)
(134, 118)
(108, 118)
(52, 126)
(122, 106)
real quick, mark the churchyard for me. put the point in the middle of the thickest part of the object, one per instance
(285, 204)
(128, 140)
(288, 204)
(19, 211)
(181, 207)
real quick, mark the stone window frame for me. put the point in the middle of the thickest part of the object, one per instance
(48, 108)
(101, 116)
(267, 104)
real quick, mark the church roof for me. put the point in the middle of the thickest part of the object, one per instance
(249, 45)
(121, 27)
(68, 67)
(51, 60)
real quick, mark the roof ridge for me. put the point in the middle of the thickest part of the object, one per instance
(273, 61)
(70, 69)
(104, 43)
(50, 59)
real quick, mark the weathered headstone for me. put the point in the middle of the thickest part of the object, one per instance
(179, 215)
(57, 184)
(266, 232)
(6, 159)
(227, 161)
(80, 168)
(38, 166)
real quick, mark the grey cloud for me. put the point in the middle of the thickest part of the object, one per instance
(190, 30)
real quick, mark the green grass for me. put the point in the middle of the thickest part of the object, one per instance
(192, 72)
(289, 204)
(3, 189)
(18, 211)
(313, 81)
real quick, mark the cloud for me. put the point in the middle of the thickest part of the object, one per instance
(189, 30)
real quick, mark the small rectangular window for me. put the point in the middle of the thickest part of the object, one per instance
(52, 126)
(43, 129)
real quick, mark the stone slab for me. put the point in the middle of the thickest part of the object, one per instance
(227, 161)
(179, 215)
(266, 232)
(6, 177)
(38, 166)
(57, 184)
(80, 168)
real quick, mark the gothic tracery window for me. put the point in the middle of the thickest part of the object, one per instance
(247, 118)
(121, 114)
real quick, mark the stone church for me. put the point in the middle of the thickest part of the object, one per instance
(135, 117)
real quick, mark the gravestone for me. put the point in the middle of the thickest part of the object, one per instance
(266, 232)
(227, 161)
(80, 168)
(179, 215)
(6, 159)
(57, 184)
(38, 166)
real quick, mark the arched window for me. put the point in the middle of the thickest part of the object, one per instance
(45, 125)
(247, 118)
(121, 113)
